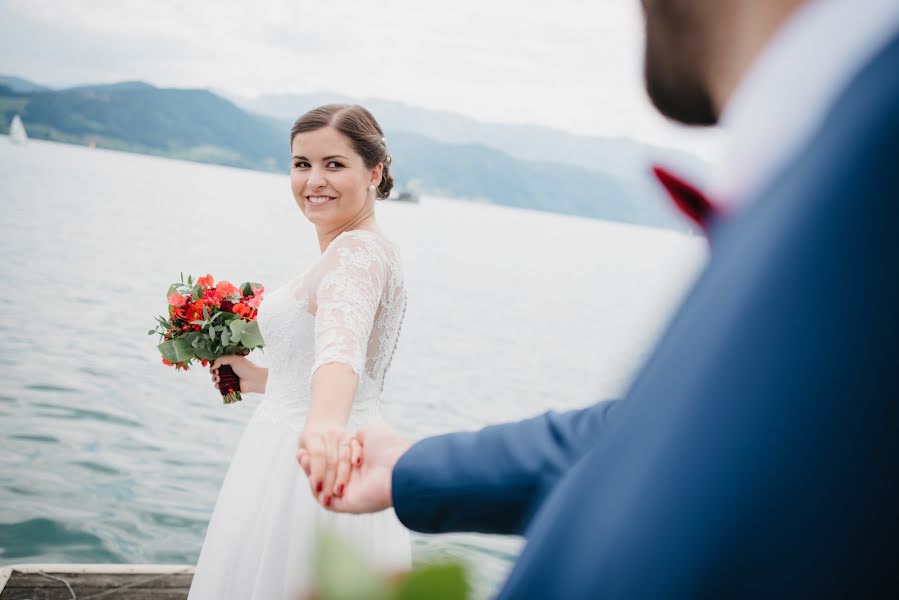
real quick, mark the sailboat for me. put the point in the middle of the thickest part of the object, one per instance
(17, 131)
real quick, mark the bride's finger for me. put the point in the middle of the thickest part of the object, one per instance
(331, 453)
(304, 463)
(317, 463)
(355, 453)
(343, 467)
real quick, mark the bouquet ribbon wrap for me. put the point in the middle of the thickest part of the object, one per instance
(229, 384)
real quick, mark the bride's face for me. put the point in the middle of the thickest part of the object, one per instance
(329, 180)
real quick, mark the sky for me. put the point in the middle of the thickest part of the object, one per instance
(574, 65)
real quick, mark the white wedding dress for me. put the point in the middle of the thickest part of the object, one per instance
(346, 308)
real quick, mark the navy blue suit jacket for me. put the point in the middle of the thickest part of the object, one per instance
(757, 453)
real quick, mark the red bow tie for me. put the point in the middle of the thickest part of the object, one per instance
(687, 197)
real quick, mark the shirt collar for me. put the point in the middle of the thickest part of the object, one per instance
(789, 89)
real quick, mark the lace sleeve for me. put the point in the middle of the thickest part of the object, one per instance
(348, 295)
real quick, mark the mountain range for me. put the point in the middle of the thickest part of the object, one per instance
(433, 152)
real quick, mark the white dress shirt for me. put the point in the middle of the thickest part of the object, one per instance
(789, 89)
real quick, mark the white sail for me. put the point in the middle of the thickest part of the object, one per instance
(17, 131)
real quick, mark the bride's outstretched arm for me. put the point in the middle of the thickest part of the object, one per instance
(327, 444)
(353, 275)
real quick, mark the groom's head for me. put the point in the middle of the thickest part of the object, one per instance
(698, 50)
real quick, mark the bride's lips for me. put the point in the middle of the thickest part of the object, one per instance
(318, 200)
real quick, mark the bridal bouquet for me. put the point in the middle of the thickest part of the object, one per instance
(207, 320)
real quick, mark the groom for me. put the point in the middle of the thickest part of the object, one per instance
(757, 452)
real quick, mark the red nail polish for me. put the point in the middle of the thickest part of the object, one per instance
(327, 500)
(358, 461)
(340, 489)
(319, 486)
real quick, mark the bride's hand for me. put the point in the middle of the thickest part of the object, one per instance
(252, 377)
(326, 453)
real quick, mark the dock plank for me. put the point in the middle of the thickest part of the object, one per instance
(140, 586)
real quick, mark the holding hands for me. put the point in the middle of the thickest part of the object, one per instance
(362, 472)
(326, 452)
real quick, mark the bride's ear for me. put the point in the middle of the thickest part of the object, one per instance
(376, 173)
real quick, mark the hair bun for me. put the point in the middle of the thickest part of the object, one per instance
(386, 183)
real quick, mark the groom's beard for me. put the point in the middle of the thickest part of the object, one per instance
(678, 52)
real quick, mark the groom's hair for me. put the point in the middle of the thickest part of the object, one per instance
(360, 127)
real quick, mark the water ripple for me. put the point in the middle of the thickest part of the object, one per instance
(37, 536)
(35, 438)
(46, 387)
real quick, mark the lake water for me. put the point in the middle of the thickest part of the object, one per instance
(108, 456)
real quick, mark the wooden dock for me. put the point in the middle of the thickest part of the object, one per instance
(83, 582)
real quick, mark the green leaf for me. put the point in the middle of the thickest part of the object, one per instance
(195, 294)
(176, 350)
(200, 323)
(207, 353)
(206, 313)
(167, 349)
(183, 349)
(251, 337)
(151, 332)
(342, 575)
(211, 333)
(435, 582)
(238, 326)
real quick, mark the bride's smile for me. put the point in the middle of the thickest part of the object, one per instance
(318, 200)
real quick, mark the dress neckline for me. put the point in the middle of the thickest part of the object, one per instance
(375, 234)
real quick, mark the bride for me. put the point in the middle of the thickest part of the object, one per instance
(330, 333)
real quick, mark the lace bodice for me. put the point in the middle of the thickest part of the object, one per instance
(348, 308)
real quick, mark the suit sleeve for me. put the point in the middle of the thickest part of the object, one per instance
(492, 480)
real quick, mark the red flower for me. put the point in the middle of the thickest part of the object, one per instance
(241, 309)
(195, 312)
(206, 282)
(176, 299)
(210, 297)
(227, 306)
(165, 362)
(225, 289)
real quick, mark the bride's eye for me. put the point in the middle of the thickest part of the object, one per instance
(300, 164)
(334, 165)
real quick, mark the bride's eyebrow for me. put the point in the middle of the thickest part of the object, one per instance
(323, 158)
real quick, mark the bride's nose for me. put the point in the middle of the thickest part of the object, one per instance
(317, 181)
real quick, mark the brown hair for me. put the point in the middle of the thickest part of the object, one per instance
(363, 131)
